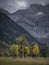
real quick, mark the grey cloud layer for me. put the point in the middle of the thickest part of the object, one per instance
(12, 6)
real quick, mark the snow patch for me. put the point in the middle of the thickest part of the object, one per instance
(40, 13)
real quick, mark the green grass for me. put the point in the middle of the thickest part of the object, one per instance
(26, 61)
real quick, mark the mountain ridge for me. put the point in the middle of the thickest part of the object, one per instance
(35, 20)
(11, 29)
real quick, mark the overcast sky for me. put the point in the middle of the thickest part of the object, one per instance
(14, 5)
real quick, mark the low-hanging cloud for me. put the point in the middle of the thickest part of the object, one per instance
(14, 5)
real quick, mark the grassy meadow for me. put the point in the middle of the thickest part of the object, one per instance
(24, 61)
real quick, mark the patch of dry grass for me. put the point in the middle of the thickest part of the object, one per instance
(24, 61)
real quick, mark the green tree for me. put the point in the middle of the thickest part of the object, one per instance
(44, 50)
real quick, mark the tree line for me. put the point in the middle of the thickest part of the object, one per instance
(22, 48)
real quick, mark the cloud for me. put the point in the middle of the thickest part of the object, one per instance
(22, 4)
(14, 5)
(42, 3)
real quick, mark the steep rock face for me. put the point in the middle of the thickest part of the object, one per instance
(35, 20)
(9, 30)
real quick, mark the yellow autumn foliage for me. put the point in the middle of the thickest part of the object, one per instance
(27, 49)
(36, 49)
(20, 39)
(14, 48)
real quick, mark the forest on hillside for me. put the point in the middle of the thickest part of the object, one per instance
(23, 48)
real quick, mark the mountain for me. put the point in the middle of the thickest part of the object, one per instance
(35, 20)
(9, 30)
(34, 9)
(6, 12)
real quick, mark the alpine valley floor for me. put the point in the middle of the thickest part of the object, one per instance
(24, 61)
